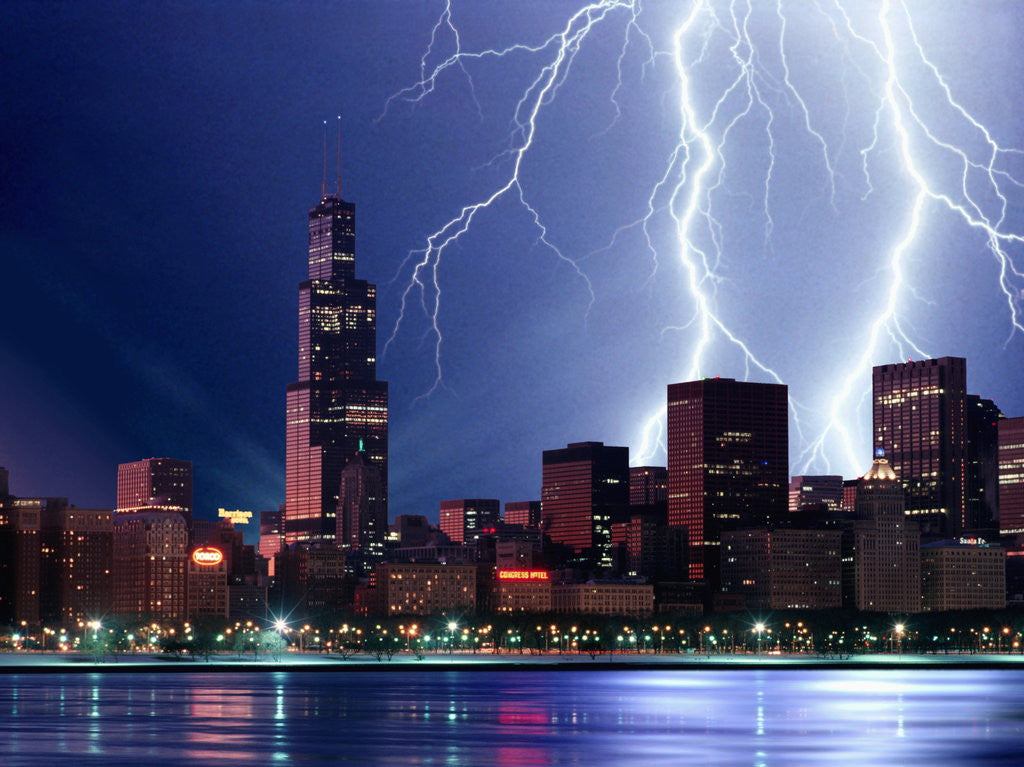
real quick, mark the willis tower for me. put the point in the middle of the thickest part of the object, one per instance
(337, 410)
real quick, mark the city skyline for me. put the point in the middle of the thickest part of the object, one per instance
(176, 337)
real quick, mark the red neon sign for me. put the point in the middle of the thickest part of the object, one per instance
(524, 575)
(207, 556)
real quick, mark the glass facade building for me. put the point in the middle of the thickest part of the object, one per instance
(337, 407)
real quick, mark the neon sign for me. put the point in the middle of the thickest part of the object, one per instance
(524, 575)
(207, 556)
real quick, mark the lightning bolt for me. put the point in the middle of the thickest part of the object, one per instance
(760, 87)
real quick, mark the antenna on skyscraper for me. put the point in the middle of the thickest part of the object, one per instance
(339, 158)
(323, 181)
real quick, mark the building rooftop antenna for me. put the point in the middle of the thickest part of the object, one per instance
(338, 182)
(323, 181)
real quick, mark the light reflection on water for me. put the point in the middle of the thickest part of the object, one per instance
(517, 717)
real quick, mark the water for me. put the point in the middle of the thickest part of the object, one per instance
(937, 716)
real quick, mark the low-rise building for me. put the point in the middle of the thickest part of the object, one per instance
(963, 574)
(521, 591)
(419, 589)
(603, 598)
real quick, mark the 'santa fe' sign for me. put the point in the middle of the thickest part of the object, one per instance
(207, 556)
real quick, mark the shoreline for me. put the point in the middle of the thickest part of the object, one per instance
(73, 664)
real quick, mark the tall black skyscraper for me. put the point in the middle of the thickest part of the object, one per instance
(337, 407)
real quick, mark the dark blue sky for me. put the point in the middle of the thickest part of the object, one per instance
(158, 162)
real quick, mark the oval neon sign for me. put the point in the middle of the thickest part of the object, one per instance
(207, 556)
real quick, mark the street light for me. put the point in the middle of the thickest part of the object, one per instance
(759, 628)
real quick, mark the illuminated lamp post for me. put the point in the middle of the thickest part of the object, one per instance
(898, 630)
(759, 628)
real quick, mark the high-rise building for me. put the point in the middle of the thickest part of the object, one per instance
(728, 462)
(783, 568)
(20, 558)
(882, 547)
(525, 513)
(983, 418)
(820, 491)
(648, 485)
(585, 490)
(1011, 476)
(362, 516)
(920, 424)
(207, 592)
(462, 519)
(271, 537)
(77, 564)
(150, 560)
(155, 484)
(337, 407)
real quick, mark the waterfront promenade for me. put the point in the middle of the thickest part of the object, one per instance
(70, 662)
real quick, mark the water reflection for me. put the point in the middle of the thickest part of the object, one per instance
(517, 718)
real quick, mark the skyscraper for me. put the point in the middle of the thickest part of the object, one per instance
(462, 519)
(648, 485)
(882, 548)
(1011, 476)
(362, 518)
(820, 490)
(728, 462)
(983, 416)
(337, 405)
(920, 423)
(155, 484)
(585, 490)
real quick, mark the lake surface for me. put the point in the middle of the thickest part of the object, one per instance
(905, 716)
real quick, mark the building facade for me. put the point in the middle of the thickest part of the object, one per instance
(423, 589)
(596, 598)
(207, 592)
(521, 591)
(784, 568)
(525, 513)
(585, 489)
(337, 407)
(983, 417)
(1011, 476)
(963, 574)
(77, 564)
(821, 491)
(648, 485)
(362, 515)
(155, 484)
(462, 519)
(919, 414)
(728, 462)
(150, 565)
(882, 548)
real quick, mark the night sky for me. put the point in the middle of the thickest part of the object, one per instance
(158, 161)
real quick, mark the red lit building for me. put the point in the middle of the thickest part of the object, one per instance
(728, 462)
(464, 518)
(920, 424)
(1011, 476)
(648, 485)
(525, 513)
(155, 484)
(585, 491)
(337, 408)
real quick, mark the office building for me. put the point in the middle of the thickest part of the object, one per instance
(525, 513)
(818, 491)
(362, 516)
(882, 547)
(463, 519)
(271, 536)
(337, 407)
(982, 420)
(77, 564)
(920, 425)
(728, 462)
(648, 485)
(585, 490)
(155, 484)
(963, 574)
(783, 569)
(150, 565)
(603, 598)
(207, 592)
(419, 589)
(1011, 476)
(20, 556)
